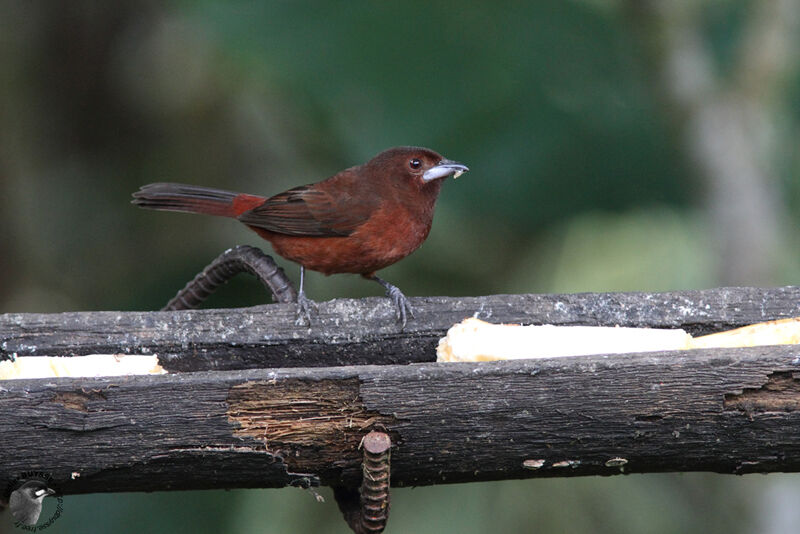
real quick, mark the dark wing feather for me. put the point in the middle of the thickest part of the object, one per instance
(311, 212)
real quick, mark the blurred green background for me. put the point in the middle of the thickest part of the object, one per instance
(620, 145)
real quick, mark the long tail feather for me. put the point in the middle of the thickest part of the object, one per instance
(193, 199)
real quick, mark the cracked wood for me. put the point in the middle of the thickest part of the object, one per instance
(723, 410)
(234, 425)
(311, 425)
(357, 332)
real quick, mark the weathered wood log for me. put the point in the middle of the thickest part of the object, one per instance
(729, 411)
(356, 332)
(723, 410)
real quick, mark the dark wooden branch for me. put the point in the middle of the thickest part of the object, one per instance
(356, 332)
(723, 410)
(730, 411)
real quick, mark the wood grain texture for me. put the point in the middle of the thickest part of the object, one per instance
(358, 332)
(722, 410)
(727, 410)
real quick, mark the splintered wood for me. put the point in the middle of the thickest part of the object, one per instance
(304, 420)
(473, 340)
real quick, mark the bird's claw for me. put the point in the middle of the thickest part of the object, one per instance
(304, 308)
(402, 306)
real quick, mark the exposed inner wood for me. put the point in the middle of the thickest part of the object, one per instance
(462, 422)
(263, 414)
(364, 332)
(311, 424)
(77, 400)
(780, 393)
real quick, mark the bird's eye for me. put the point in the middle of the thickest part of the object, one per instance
(415, 163)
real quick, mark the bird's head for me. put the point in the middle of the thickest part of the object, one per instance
(415, 165)
(35, 490)
(25, 502)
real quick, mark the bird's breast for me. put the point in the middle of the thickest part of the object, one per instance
(389, 235)
(393, 233)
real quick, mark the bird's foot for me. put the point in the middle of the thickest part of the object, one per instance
(304, 308)
(402, 305)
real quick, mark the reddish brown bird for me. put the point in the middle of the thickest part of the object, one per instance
(358, 221)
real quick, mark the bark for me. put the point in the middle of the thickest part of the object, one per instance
(292, 422)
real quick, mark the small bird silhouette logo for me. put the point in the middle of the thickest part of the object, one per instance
(26, 501)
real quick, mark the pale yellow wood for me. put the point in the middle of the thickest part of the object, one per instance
(92, 365)
(475, 340)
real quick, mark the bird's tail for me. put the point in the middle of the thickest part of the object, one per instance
(194, 199)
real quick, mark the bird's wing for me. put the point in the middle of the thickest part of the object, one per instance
(310, 211)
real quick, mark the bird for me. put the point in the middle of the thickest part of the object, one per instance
(25, 502)
(357, 221)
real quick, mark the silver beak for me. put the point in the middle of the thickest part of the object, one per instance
(444, 168)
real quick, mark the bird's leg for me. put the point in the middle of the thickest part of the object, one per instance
(304, 304)
(400, 301)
